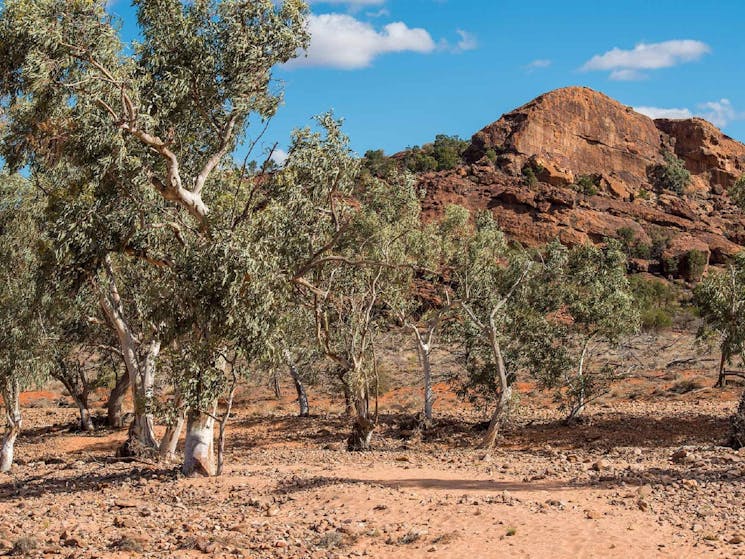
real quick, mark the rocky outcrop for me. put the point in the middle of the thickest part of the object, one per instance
(575, 165)
(715, 160)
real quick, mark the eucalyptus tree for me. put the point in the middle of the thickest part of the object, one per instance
(143, 127)
(79, 346)
(19, 361)
(426, 304)
(347, 238)
(507, 296)
(720, 298)
(599, 303)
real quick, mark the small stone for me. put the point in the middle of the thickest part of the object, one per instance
(601, 465)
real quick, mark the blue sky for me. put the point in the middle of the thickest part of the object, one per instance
(401, 71)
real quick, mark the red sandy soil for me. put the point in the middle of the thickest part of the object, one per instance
(612, 486)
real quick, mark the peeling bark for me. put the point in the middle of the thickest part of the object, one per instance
(199, 455)
(141, 439)
(115, 404)
(11, 392)
(169, 442)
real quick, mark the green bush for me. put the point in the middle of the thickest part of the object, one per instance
(737, 192)
(586, 184)
(445, 153)
(672, 175)
(658, 302)
(693, 265)
(632, 246)
(530, 172)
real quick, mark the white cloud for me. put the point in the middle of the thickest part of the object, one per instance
(382, 12)
(659, 112)
(467, 41)
(341, 41)
(538, 64)
(626, 64)
(279, 156)
(627, 75)
(719, 113)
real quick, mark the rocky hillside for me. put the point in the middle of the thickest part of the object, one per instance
(576, 165)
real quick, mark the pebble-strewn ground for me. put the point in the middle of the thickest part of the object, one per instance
(638, 478)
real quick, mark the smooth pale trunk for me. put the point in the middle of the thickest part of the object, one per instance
(505, 392)
(199, 447)
(115, 405)
(579, 407)
(496, 420)
(169, 441)
(11, 398)
(141, 439)
(302, 396)
(423, 349)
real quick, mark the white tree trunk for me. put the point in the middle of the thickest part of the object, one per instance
(141, 439)
(199, 451)
(86, 422)
(424, 350)
(11, 392)
(169, 441)
(505, 391)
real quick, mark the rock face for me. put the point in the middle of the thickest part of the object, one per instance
(572, 132)
(526, 168)
(710, 156)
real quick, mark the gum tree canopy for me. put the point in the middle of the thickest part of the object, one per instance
(131, 142)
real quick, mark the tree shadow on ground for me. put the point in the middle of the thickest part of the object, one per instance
(41, 484)
(599, 431)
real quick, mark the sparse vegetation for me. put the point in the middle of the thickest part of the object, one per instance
(672, 175)
(586, 184)
(142, 262)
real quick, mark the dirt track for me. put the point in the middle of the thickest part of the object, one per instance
(614, 486)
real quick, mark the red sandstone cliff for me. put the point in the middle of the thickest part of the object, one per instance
(574, 132)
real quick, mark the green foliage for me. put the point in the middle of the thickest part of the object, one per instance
(445, 153)
(672, 175)
(694, 265)
(508, 295)
(587, 184)
(530, 172)
(737, 192)
(598, 298)
(22, 355)
(720, 298)
(631, 246)
(658, 302)
(377, 164)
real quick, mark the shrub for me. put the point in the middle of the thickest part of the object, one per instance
(737, 192)
(530, 172)
(445, 153)
(631, 245)
(693, 265)
(377, 164)
(657, 301)
(586, 184)
(672, 175)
